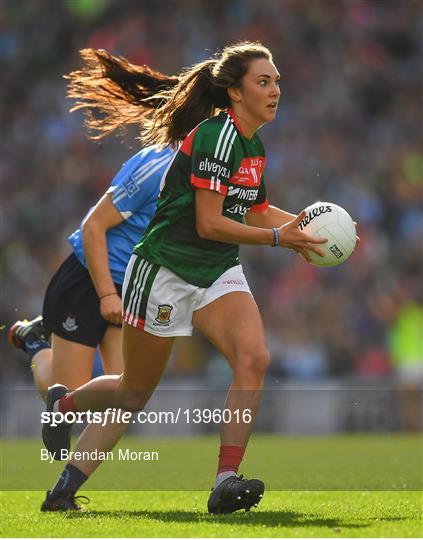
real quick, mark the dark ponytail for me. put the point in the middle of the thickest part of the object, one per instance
(184, 106)
(114, 92)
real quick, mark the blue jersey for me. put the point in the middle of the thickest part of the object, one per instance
(134, 192)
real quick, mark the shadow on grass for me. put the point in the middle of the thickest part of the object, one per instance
(266, 518)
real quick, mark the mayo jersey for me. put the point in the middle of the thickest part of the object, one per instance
(134, 191)
(215, 156)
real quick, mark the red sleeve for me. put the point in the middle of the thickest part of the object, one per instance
(261, 203)
(258, 208)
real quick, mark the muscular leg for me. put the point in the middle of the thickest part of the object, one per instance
(96, 436)
(41, 370)
(233, 324)
(66, 363)
(72, 363)
(145, 357)
(111, 351)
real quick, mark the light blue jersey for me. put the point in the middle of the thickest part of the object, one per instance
(134, 191)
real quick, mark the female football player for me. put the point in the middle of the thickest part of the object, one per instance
(185, 270)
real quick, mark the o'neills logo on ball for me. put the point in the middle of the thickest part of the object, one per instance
(312, 214)
(163, 314)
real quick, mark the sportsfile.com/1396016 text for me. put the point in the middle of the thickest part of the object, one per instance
(180, 415)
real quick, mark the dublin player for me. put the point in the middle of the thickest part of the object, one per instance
(185, 270)
(82, 306)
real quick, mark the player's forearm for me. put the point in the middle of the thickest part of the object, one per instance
(96, 254)
(276, 217)
(223, 229)
(273, 217)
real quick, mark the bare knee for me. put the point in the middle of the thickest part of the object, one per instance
(250, 368)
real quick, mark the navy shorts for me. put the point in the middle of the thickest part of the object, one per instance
(71, 308)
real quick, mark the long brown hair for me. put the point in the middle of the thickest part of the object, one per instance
(116, 93)
(113, 91)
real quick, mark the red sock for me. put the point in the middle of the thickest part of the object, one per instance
(229, 458)
(67, 403)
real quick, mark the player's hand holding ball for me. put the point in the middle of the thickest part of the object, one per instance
(323, 234)
(330, 221)
(292, 237)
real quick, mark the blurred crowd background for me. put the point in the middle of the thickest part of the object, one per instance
(348, 130)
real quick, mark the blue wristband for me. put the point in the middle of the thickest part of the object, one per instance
(275, 237)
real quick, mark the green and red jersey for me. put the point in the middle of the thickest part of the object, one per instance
(215, 156)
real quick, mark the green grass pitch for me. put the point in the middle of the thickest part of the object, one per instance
(303, 500)
(182, 514)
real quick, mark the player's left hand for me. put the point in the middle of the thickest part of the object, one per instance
(291, 237)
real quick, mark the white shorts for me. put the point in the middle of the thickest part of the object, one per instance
(160, 302)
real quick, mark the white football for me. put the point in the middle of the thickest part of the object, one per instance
(328, 220)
